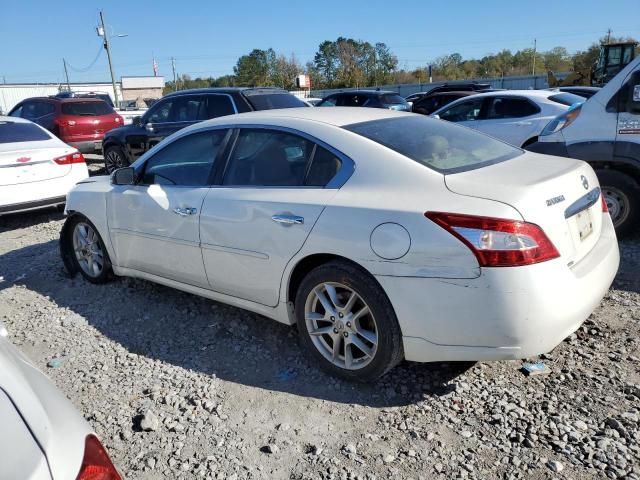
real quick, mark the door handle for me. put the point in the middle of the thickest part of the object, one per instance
(183, 212)
(288, 219)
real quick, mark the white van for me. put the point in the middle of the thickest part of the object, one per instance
(605, 132)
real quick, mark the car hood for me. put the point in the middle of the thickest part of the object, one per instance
(54, 423)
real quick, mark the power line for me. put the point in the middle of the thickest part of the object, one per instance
(90, 66)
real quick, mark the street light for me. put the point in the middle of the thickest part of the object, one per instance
(102, 32)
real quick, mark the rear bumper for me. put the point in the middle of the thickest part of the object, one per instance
(33, 205)
(559, 149)
(506, 313)
(91, 146)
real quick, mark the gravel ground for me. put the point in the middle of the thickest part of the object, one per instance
(182, 387)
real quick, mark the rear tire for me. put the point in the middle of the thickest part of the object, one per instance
(114, 158)
(622, 194)
(356, 335)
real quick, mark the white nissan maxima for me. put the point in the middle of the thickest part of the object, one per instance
(37, 169)
(383, 235)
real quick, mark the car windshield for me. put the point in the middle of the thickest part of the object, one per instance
(13, 132)
(268, 101)
(566, 98)
(94, 108)
(439, 145)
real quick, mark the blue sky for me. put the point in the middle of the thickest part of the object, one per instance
(207, 37)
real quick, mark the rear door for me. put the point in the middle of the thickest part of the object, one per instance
(274, 188)
(154, 225)
(511, 119)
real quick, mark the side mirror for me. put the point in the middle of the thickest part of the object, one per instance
(123, 176)
(149, 127)
(137, 120)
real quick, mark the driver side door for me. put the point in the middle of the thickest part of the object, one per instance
(465, 113)
(154, 224)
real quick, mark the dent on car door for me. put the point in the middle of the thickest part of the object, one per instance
(271, 195)
(154, 224)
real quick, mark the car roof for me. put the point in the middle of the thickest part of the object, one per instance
(64, 100)
(364, 92)
(227, 90)
(336, 116)
(517, 93)
(463, 93)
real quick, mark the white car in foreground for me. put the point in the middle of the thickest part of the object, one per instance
(36, 168)
(384, 235)
(514, 116)
(42, 435)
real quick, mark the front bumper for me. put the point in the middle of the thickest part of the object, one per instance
(506, 313)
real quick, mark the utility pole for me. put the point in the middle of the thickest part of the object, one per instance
(173, 66)
(535, 46)
(608, 36)
(107, 46)
(66, 74)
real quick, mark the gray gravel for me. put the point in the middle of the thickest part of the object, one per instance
(181, 387)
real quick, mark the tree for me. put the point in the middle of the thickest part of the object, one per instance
(253, 70)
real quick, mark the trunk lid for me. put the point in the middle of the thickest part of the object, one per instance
(24, 165)
(560, 195)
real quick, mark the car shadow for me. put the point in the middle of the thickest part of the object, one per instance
(15, 221)
(209, 337)
(628, 278)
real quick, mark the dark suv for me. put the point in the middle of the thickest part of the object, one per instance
(366, 98)
(177, 110)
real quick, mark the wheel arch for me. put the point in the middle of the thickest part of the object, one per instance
(629, 168)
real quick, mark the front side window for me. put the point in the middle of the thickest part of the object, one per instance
(160, 112)
(188, 161)
(510, 108)
(219, 106)
(272, 158)
(463, 112)
(439, 145)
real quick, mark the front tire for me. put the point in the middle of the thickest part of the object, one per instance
(346, 323)
(114, 158)
(622, 194)
(84, 249)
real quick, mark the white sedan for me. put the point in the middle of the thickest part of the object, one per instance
(383, 235)
(36, 168)
(514, 116)
(42, 435)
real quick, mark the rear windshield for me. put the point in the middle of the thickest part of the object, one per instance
(437, 144)
(86, 108)
(11, 132)
(566, 98)
(391, 98)
(268, 101)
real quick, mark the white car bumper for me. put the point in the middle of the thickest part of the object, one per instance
(33, 195)
(506, 313)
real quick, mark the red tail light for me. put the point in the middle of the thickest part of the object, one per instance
(605, 208)
(96, 464)
(498, 242)
(69, 159)
(118, 119)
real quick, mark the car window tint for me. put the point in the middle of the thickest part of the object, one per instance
(323, 168)
(86, 109)
(268, 158)
(328, 102)
(464, 111)
(30, 110)
(566, 98)
(268, 101)
(186, 161)
(17, 112)
(13, 132)
(219, 105)
(188, 109)
(352, 100)
(160, 112)
(392, 98)
(510, 108)
(439, 145)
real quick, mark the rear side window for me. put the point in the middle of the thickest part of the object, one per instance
(13, 132)
(35, 109)
(185, 162)
(86, 108)
(324, 166)
(219, 106)
(566, 98)
(392, 99)
(351, 100)
(269, 101)
(441, 146)
(510, 108)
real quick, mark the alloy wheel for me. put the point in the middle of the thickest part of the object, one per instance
(113, 161)
(341, 325)
(87, 249)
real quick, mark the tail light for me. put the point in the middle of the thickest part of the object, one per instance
(96, 464)
(605, 208)
(118, 119)
(498, 242)
(75, 157)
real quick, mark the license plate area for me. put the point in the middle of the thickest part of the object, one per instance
(584, 224)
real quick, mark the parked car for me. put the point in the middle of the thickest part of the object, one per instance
(79, 122)
(36, 168)
(452, 87)
(582, 91)
(515, 116)
(366, 98)
(605, 131)
(428, 104)
(177, 110)
(383, 235)
(43, 436)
